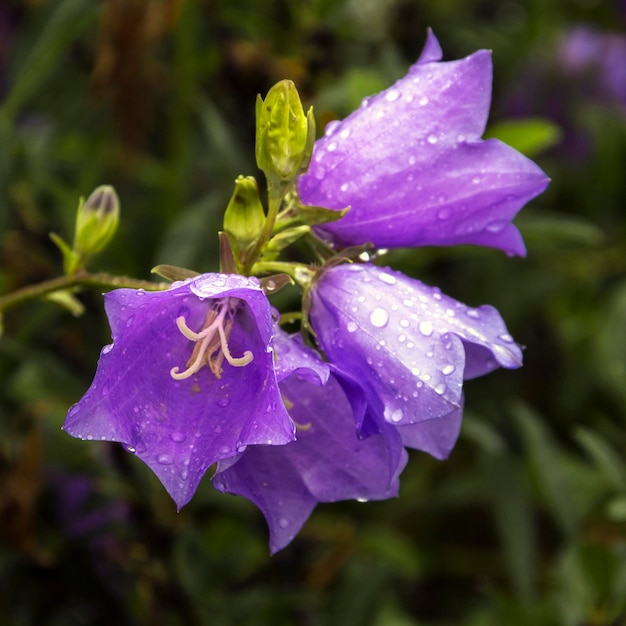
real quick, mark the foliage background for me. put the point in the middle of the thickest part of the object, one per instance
(524, 524)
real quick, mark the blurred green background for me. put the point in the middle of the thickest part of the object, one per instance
(525, 524)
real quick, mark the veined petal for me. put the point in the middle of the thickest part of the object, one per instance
(413, 168)
(409, 346)
(180, 427)
(326, 463)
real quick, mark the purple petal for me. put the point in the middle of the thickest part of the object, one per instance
(293, 357)
(326, 463)
(436, 437)
(407, 345)
(411, 165)
(181, 427)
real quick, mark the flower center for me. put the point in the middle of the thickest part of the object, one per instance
(211, 343)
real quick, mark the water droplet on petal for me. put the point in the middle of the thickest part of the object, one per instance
(426, 328)
(283, 522)
(432, 139)
(440, 389)
(164, 459)
(332, 147)
(387, 278)
(423, 101)
(444, 214)
(177, 437)
(351, 327)
(392, 95)
(506, 338)
(224, 401)
(106, 349)
(447, 370)
(472, 313)
(345, 133)
(379, 317)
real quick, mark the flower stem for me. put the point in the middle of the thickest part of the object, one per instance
(80, 279)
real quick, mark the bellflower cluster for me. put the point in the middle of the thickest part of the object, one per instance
(201, 375)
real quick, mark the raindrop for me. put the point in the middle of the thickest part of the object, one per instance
(447, 370)
(476, 180)
(423, 101)
(344, 187)
(411, 160)
(444, 214)
(283, 522)
(351, 327)
(177, 437)
(224, 450)
(506, 338)
(379, 317)
(164, 459)
(332, 147)
(432, 139)
(223, 401)
(184, 474)
(395, 416)
(404, 323)
(495, 227)
(440, 389)
(426, 328)
(387, 278)
(107, 348)
(392, 95)
(345, 133)
(472, 313)
(460, 138)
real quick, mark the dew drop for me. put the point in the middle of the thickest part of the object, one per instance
(224, 401)
(224, 450)
(394, 416)
(345, 133)
(184, 474)
(283, 522)
(344, 187)
(379, 317)
(447, 370)
(392, 95)
(351, 327)
(423, 101)
(426, 328)
(444, 214)
(432, 139)
(387, 278)
(177, 437)
(411, 160)
(440, 389)
(472, 313)
(332, 147)
(106, 349)
(164, 459)
(506, 338)
(475, 180)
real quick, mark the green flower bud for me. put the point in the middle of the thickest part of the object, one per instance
(284, 134)
(96, 221)
(244, 217)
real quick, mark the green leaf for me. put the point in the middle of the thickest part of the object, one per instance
(173, 273)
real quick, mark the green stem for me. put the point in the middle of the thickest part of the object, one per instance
(79, 279)
(276, 193)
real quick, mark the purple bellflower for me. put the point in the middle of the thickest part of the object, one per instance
(411, 165)
(327, 462)
(188, 380)
(409, 346)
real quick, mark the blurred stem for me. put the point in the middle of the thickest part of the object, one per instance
(80, 279)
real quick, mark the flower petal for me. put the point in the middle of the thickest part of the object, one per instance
(327, 462)
(407, 345)
(181, 427)
(411, 165)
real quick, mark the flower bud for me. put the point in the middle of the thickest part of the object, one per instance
(284, 135)
(244, 217)
(96, 221)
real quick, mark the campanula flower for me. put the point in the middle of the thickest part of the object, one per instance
(409, 346)
(188, 380)
(411, 165)
(327, 462)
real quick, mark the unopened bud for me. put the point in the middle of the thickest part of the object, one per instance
(244, 217)
(96, 221)
(284, 134)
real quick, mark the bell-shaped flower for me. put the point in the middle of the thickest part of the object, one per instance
(327, 462)
(411, 165)
(188, 380)
(409, 346)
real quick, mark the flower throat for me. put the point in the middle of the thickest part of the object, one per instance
(211, 342)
